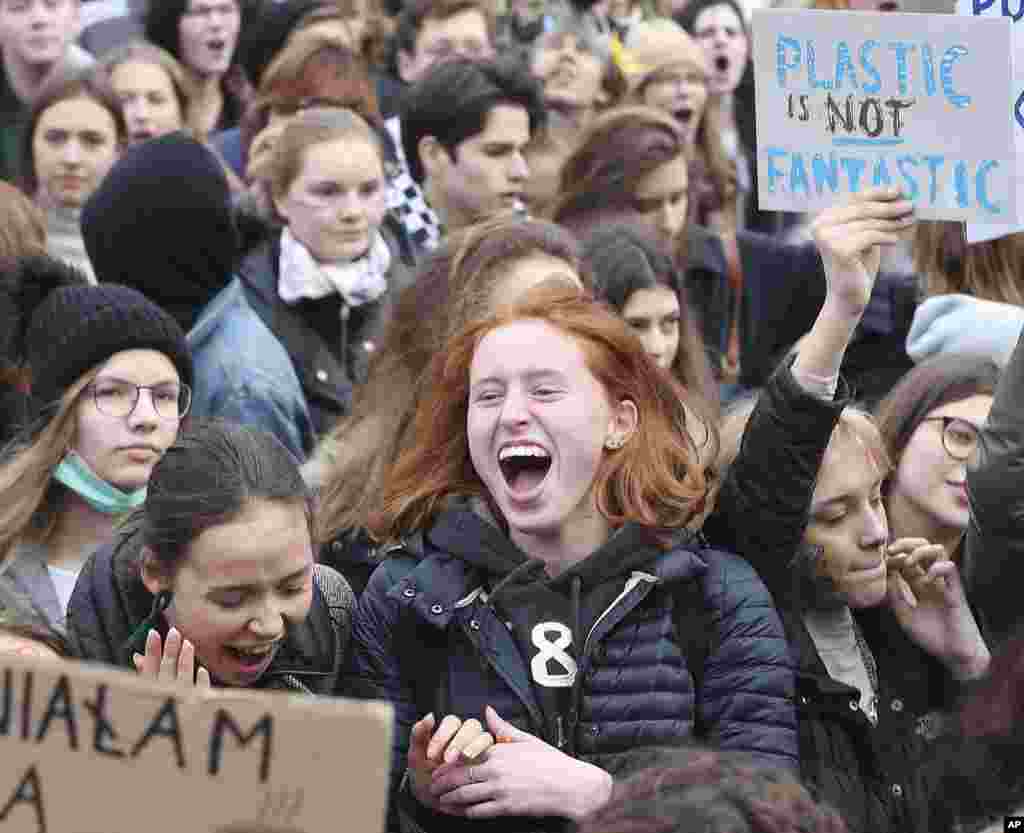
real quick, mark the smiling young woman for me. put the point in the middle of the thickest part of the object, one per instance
(217, 568)
(539, 518)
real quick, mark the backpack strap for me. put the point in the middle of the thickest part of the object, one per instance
(695, 635)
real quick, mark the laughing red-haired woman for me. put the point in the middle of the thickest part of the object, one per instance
(542, 578)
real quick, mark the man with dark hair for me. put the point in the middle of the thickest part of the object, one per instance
(429, 32)
(36, 41)
(464, 129)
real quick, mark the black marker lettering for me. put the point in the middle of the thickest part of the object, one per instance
(29, 791)
(165, 725)
(61, 706)
(104, 731)
(223, 723)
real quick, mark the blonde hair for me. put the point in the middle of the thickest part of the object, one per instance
(313, 127)
(947, 263)
(853, 426)
(30, 500)
(143, 52)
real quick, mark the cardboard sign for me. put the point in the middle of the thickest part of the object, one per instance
(848, 100)
(89, 749)
(1014, 12)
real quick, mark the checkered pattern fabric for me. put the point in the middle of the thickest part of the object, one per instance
(406, 198)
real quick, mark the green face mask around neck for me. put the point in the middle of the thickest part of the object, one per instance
(75, 473)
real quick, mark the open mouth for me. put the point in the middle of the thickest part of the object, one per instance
(216, 46)
(251, 658)
(722, 63)
(683, 115)
(524, 467)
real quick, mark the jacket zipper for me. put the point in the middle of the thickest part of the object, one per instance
(577, 690)
(535, 715)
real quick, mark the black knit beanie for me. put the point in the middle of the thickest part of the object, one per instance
(161, 222)
(78, 327)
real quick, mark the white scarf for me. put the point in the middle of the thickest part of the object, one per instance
(358, 282)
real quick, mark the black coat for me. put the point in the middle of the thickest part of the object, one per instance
(872, 774)
(329, 374)
(110, 602)
(783, 290)
(994, 565)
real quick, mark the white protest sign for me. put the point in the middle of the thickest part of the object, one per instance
(848, 100)
(1012, 10)
(88, 749)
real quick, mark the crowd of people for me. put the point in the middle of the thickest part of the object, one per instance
(420, 353)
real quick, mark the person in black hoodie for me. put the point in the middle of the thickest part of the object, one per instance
(542, 577)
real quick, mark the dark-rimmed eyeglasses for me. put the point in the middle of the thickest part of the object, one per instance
(959, 437)
(118, 398)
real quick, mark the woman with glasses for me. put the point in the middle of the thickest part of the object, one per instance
(930, 423)
(110, 383)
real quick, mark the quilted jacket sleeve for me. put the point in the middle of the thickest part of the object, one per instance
(747, 698)
(375, 669)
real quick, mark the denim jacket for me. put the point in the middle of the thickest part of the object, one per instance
(243, 374)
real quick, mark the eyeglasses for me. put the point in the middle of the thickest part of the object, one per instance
(207, 12)
(117, 398)
(959, 437)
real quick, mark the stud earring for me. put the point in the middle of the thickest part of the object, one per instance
(614, 443)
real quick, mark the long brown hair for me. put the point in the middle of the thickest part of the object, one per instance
(30, 499)
(947, 263)
(655, 480)
(454, 286)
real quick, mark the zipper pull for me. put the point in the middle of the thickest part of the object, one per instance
(561, 732)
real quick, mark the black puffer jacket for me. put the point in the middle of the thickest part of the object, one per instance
(872, 774)
(110, 602)
(428, 639)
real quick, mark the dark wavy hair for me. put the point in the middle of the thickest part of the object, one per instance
(933, 383)
(690, 789)
(624, 258)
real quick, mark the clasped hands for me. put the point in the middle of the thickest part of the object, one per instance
(464, 769)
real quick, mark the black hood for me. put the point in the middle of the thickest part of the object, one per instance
(468, 531)
(161, 222)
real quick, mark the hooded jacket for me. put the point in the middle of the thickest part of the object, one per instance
(110, 603)
(432, 633)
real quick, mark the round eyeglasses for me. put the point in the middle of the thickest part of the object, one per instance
(118, 398)
(959, 437)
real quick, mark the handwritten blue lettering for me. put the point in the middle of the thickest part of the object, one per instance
(950, 57)
(781, 63)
